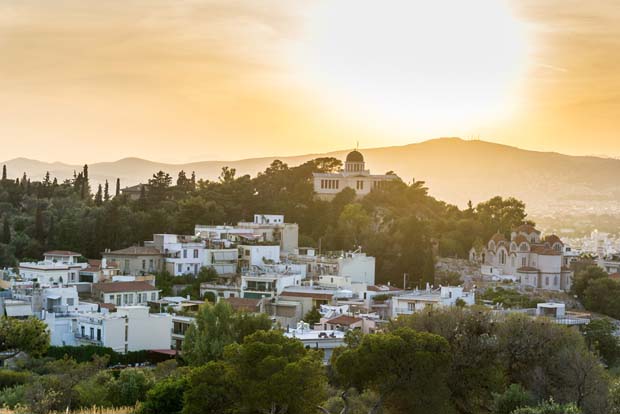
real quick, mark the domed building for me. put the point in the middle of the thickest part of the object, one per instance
(354, 175)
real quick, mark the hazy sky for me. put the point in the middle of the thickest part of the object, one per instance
(187, 80)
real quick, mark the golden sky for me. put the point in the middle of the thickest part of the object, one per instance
(188, 80)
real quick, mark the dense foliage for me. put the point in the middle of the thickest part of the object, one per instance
(399, 223)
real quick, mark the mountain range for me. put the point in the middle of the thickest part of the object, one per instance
(455, 171)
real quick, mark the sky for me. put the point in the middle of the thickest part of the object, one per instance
(190, 80)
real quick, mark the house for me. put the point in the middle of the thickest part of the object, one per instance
(534, 261)
(97, 271)
(224, 261)
(136, 260)
(410, 302)
(267, 281)
(354, 176)
(57, 267)
(265, 228)
(125, 293)
(356, 266)
(324, 340)
(309, 297)
(183, 255)
(258, 254)
(130, 328)
(134, 192)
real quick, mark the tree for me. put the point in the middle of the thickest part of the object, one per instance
(165, 396)
(583, 278)
(117, 192)
(211, 389)
(217, 326)
(29, 336)
(98, 196)
(406, 369)
(4, 172)
(513, 398)
(313, 316)
(549, 407)
(600, 338)
(276, 374)
(501, 215)
(106, 191)
(6, 230)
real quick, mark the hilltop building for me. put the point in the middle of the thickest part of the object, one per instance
(354, 175)
(535, 262)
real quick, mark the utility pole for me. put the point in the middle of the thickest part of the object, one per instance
(405, 280)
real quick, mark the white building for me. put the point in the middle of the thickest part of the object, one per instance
(130, 328)
(355, 176)
(266, 228)
(536, 263)
(258, 254)
(223, 261)
(126, 293)
(316, 339)
(57, 267)
(183, 255)
(356, 266)
(410, 302)
(268, 281)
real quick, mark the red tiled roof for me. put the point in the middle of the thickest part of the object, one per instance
(134, 251)
(552, 239)
(94, 262)
(243, 304)
(344, 320)
(521, 239)
(114, 287)
(61, 253)
(544, 250)
(497, 237)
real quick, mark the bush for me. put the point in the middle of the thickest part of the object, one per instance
(12, 397)
(165, 397)
(10, 378)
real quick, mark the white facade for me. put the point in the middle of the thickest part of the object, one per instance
(268, 282)
(183, 255)
(356, 266)
(258, 255)
(130, 328)
(418, 300)
(51, 272)
(354, 175)
(224, 261)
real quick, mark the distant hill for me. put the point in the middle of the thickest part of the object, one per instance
(455, 170)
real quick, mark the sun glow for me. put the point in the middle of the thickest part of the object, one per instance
(414, 66)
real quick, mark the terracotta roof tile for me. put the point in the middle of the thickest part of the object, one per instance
(135, 251)
(344, 320)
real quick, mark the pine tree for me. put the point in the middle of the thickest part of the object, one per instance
(24, 179)
(118, 187)
(106, 191)
(193, 180)
(6, 231)
(4, 172)
(47, 181)
(98, 196)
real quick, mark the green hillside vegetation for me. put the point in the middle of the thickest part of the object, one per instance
(399, 224)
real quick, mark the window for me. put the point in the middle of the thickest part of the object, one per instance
(546, 280)
(130, 298)
(99, 334)
(185, 253)
(118, 300)
(195, 253)
(359, 185)
(153, 297)
(70, 301)
(92, 333)
(125, 299)
(523, 261)
(179, 268)
(150, 264)
(143, 264)
(126, 333)
(555, 280)
(82, 330)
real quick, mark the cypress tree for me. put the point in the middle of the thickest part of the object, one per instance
(98, 196)
(106, 191)
(4, 172)
(118, 187)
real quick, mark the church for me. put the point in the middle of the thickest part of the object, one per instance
(354, 175)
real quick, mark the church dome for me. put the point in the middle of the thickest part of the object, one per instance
(355, 156)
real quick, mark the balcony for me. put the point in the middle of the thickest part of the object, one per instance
(88, 340)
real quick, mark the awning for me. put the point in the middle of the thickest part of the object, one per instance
(19, 310)
(53, 297)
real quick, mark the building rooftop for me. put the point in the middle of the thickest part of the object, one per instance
(114, 287)
(61, 253)
(135, 251)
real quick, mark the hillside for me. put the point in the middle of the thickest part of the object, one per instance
(455, 171)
